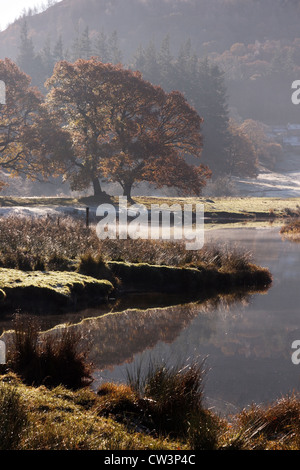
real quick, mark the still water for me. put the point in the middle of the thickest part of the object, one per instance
(246, 340)
(247, 343)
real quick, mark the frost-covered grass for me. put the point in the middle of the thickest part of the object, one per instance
(247, 207)
(43, 261)
(28, 243)
(63, 289)
(241, 206)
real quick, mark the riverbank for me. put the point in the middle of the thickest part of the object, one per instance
(216, 210)
(118, 418)
(64, 266)
(291, 230)
(271, 427)
(63, 291)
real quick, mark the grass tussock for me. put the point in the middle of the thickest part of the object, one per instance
(166, 402)
(51, 361)
(13, 417)
(161, 409)
(275, 426)
(291, 230)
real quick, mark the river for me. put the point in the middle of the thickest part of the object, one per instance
(247, 344)
(247, 341)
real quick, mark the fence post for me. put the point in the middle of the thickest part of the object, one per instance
(87, 216)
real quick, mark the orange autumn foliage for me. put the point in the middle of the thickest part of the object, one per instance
(124, 128)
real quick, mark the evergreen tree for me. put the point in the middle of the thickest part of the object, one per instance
(165, 62)
(186, 71)
(151, 68)
(47, 58)
(75, 47)
(28, 61)
(101, 48)
(85, 45)
(114, 48)
(139, 60)
(211, 104)
(58, 50)
(26, 56)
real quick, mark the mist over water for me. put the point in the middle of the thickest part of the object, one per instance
(246, 339)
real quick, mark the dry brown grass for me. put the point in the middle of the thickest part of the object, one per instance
(41, 243)
(291, 230)
(275, 426)
(51, 361)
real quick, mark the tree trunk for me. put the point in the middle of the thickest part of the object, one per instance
(97, 188)
(127, 190)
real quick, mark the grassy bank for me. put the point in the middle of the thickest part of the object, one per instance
(47, 404)
(60, 419)
(220, 208)
(224, 209)
(66, 264)
(56, 290)
(194, 280)
(167, 414)
(291, 230)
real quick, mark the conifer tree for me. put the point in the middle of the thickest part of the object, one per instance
(114, 48)
(85, 45)
(165, 62)
(211, 104)
(101, 48)
(58, 50)
(27, 60)
(26, 56)
(47, 58)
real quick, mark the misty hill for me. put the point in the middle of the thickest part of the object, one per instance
(252, 46)
(212, 25)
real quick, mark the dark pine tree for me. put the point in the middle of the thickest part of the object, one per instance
(28, 61)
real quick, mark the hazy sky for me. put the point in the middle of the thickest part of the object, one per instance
(12, 9)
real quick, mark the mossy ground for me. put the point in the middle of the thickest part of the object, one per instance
(43, 291)
(63, 289)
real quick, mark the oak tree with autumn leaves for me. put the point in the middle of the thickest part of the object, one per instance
(124, 128)
(31, 141)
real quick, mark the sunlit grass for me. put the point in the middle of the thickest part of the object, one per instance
(119, 417)
(245, 206)
(291, 230)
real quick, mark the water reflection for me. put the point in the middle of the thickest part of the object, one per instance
(248, 343)
(114, 339)
(246, 338)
